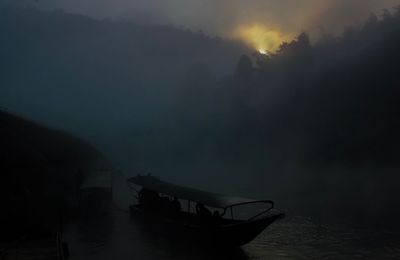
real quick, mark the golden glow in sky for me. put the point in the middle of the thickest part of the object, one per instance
(261, 38)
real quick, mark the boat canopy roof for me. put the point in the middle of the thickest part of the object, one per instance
(207, 198)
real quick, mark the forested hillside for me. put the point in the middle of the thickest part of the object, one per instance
(41, 171)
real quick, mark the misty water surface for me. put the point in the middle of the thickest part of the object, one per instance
(112, 233)
(119, 236)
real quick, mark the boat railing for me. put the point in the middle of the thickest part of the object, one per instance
(265, 211)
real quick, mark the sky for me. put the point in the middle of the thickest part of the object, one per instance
(224, 16)
(251, 20)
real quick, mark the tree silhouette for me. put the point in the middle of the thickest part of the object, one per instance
(244, 69)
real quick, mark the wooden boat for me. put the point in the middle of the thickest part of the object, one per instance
(215, 229)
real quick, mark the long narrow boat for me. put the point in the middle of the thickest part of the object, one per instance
(220, 228)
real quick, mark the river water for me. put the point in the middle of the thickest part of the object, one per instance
(116, 235)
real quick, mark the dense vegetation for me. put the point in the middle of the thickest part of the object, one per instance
(339, 95)
(41, 174)
(312, 120)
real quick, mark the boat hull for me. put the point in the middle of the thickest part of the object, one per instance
(233, 234)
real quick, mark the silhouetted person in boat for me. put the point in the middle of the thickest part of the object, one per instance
(216, 218)
(149, 199)
(174, 208)
(176, 205)
(164, 204)
(204, 214)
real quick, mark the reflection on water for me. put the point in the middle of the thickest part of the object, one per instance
(299, 238)
(118, 236)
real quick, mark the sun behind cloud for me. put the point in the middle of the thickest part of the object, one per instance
(261, 38)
